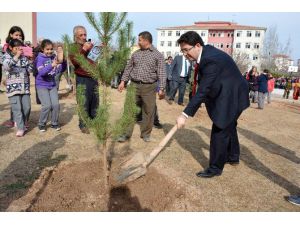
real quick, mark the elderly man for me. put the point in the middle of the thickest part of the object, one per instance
(83, 77)
(146, 69)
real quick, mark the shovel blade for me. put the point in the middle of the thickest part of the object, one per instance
(133, 161)
(131, 174)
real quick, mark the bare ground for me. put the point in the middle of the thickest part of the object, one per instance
(62, 171)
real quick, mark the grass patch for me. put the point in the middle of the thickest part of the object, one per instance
(15, 186)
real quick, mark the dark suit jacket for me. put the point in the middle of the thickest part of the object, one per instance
(221, 87)
(176, 68)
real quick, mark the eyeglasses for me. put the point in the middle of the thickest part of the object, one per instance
(185, 51)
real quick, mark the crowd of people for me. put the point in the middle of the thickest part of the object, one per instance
(261, 86)
(217, 83)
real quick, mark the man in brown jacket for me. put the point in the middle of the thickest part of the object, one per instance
(83, 77)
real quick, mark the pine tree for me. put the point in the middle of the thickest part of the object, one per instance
(112, 60)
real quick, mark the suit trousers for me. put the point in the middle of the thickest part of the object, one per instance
(146, 98)
(224, 146)
(91, 96)
(181, 86)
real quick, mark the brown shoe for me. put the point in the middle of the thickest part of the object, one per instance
(169, 101)
(85, 130)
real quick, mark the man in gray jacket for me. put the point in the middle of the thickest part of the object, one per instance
(180, 71)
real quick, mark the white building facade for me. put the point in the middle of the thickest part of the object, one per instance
(227, 36)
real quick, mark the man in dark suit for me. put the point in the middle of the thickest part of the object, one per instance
(180, 71)
(225, 93)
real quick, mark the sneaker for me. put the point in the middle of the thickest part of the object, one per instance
(122, 138)
(42, 128)
(56, 127)
(9, 124)
(20, 133)
(294, 199)
(157, 125)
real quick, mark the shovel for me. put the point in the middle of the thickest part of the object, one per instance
(136, 166)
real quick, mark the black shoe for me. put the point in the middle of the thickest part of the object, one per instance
(233, 162)
(208, 173)
(56, 127)
(157, 125)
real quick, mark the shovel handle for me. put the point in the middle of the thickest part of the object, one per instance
(160, 146)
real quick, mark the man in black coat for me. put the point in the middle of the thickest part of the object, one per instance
(224, 91)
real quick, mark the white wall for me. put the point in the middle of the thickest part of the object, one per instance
(9, 19)
(243, 39)
(174, 50)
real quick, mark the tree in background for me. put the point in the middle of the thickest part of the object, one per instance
(109, 26)
(273, 47)
(242, 60)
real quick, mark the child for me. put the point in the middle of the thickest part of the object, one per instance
(14, 32)
(17, 68)
(48, 66)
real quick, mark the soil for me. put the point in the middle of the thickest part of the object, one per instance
(62, 170)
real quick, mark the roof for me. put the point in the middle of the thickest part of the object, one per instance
(213, 25)
(281, 56)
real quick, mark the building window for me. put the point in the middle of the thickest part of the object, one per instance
(213, 34)
(162, 43)
(257, 33)
(219, 34)
(231, 34)
(221, 45)
(239, 34)
(247, 45)
(202, 34)
(249, 33)
(176, 44)
(169, 43)
(218, 45)
(228, 46)
(238, 45)
(168, 54)
(256, 45)
(255, 57)
(178, 33)
(162, 33)
(169, 33)
(176, 53)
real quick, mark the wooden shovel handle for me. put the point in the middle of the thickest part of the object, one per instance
(160, 146)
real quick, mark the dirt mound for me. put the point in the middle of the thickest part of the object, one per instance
(80, 187)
